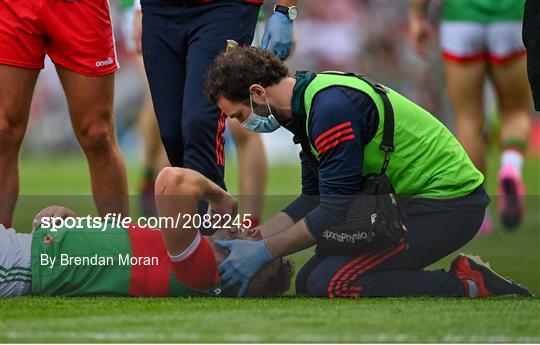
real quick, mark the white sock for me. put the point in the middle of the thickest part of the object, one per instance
(473, 289)
(513, 158)
(188, 251)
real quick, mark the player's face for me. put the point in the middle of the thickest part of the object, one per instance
(234, 110)
(221, 253)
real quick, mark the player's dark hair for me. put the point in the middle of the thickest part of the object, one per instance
(273, 280)
(234, 72)
(275, 284)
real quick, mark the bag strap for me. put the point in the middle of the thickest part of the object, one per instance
(387, 143)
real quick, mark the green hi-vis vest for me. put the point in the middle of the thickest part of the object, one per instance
(428, 161)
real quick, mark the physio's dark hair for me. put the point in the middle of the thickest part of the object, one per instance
(234, 72)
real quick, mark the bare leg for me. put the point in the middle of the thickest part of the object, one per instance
(90, 102)
(178, 190)
(465, 87)
(252, 158)
(16, 90)
(514, 96)
(514, 101)
(155, 157)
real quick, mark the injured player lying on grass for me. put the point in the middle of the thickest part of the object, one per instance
(187, 261)
(132, 261)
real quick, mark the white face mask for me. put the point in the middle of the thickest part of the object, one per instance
(261, 124)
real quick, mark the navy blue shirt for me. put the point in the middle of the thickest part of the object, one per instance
(341, 123)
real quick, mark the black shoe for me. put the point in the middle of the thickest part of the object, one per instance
(488, 282)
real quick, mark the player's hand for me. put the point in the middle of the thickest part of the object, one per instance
(50, 212)
(223, 205)
(278, 35)
(421, 34)
(254, 233)
(244, 261)
(137, 30)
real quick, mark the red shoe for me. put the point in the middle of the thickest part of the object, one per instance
(488, 282)
(510, 193)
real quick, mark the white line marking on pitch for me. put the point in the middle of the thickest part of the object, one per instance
(119, 336)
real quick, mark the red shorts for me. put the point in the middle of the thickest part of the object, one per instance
(76, 34)
(197, 270)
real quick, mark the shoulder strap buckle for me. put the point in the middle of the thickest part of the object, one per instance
(380, 88)
(386, 148)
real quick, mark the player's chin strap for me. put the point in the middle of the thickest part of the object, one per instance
(387, 143)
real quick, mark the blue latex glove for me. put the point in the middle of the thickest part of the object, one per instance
(243, 263)
(279, 30)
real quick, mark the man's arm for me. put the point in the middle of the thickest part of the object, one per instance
(419, 7)
(275, 225)
(278, 34)
(291, 240)
(298, 208)
(420, 30)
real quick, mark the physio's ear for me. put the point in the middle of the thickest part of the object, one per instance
(258, 93)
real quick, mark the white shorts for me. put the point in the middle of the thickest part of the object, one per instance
(497, 42)
(15, 263)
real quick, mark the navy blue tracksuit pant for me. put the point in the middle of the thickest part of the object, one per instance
(436, 228)
(180, 41)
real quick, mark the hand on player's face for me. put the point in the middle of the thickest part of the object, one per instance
(245, 260)
(224, 235)
(52, 211)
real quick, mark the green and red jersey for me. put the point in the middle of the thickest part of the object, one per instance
(483, 11)
(117, 261)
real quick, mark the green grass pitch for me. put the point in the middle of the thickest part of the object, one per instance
(287, 319)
